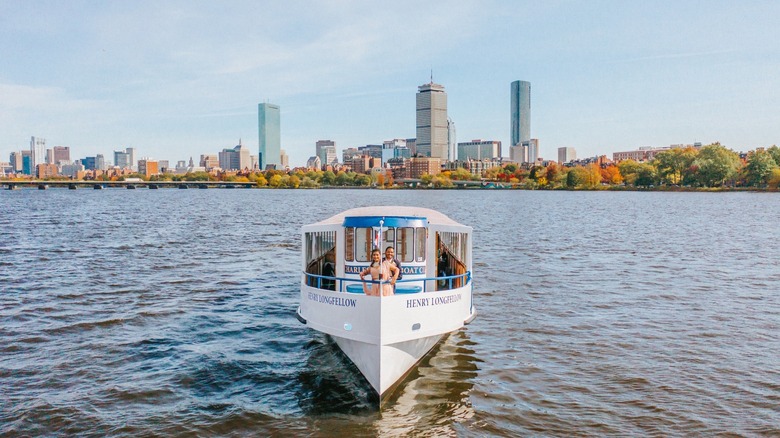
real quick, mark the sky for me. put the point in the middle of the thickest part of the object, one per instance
(177, 79)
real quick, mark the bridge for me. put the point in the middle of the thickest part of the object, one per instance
(45, 184)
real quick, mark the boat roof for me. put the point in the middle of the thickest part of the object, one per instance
(432, 216)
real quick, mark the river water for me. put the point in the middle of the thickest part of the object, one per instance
(171, 312)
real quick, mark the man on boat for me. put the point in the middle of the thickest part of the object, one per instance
(390, 258)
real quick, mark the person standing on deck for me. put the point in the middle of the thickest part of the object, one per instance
(382, 272)
(390, 258)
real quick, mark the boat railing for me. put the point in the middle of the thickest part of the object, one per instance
(343, 284)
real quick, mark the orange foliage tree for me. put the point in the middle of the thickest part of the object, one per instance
(611, 175)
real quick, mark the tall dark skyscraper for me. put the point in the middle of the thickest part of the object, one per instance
(521, 112)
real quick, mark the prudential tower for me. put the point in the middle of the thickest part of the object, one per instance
(432, 129)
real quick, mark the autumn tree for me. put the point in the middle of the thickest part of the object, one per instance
(774, 179)
(441, 181)
(611, 175)
(461, 174)
(275, 181)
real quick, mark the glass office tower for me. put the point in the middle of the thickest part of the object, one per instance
(521, 112)
(269, 126)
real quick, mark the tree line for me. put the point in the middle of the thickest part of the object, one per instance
(712, 166)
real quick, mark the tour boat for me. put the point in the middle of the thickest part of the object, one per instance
(386, 336)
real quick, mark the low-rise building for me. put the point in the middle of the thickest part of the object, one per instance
(47, 170)
(419, 166)
(148, 167)
(479, 150)
(475, 167)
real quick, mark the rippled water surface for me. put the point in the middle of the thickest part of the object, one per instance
(172, 312)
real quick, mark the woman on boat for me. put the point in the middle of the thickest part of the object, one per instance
(380, 270)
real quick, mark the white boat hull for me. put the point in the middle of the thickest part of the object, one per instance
(385, 365)
(386, 337)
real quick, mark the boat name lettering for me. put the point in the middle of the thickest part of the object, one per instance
(352, 269)
(333, 301)
(406, 270)
(436, 301)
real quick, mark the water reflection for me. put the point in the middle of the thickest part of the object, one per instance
(432, 398)
(436, 395)
(330, 383)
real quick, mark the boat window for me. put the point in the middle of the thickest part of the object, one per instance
(363, 244)
(318, 244)
(456, 244)
(320, 248)
(349, 244)
(404, 250)
(389, 237)
(452, 258)
(420, 238)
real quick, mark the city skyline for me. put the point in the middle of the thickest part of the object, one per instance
(178, 80)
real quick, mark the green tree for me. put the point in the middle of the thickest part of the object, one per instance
(575, 177)
(309, 183)
(646, 175)
(637, 174)
(510, 168)
(345, 178)
(630, 171)
(774, 151)
(715, 165)
(674, 164)
(759, 167)
(362, 180)
(328, 178)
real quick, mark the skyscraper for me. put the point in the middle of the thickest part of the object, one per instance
(432, 132)
(37, 152)
(521, 112)
(269, 127)
(451, 140)
(326, 150)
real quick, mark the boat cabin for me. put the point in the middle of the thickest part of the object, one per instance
(434, 253)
